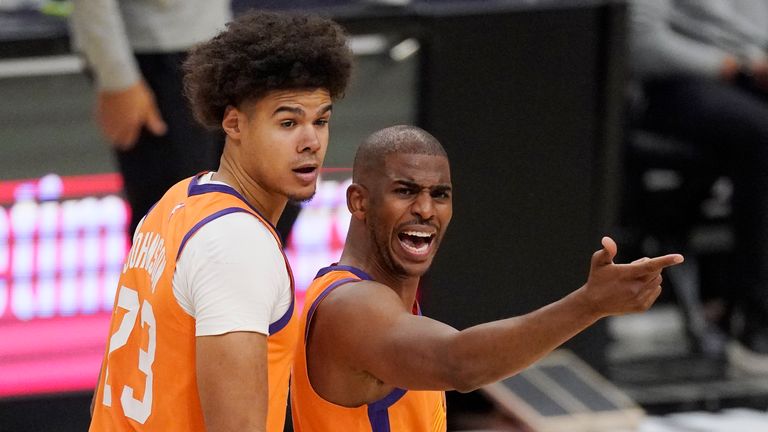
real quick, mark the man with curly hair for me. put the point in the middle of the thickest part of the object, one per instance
(203, 334)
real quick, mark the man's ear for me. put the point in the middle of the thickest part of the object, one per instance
(231, 122)
(357, 200)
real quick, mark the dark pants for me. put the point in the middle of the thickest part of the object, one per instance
(157, 162)
(729, 123)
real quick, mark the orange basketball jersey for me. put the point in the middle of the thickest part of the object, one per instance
(148, 380)
(399, 411)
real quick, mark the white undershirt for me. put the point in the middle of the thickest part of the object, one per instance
(231, 276)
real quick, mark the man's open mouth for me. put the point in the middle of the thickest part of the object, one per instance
(416, 242)
(305, 170)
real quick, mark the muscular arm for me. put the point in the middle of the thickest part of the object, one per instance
(413, 352)
(232, 381)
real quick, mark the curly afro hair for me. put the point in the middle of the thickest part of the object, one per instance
(264, 51)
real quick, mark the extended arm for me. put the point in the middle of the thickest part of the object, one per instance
(232, 381)
(413, 352)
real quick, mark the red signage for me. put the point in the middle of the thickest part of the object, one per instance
(62, 245)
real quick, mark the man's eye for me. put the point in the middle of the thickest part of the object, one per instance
(403, 191)
(322, 122)
(287, 123)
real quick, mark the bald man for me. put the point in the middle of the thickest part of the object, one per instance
(369, 360)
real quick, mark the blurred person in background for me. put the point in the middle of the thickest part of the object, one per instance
(703, 69)
(134, 50)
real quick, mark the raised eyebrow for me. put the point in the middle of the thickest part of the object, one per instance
(324, 109)
(293, 110)
(300, 112)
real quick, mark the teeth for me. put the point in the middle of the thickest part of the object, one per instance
(421, 249)
(417, 234)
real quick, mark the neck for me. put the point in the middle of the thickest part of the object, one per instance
(270, 206)
(358, 253)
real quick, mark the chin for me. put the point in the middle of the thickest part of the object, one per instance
(413, 269)
(301, 196)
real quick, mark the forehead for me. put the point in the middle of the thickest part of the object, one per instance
(425, 170)
(306, 98)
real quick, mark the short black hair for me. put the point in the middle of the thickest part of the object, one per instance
(404, 139)
(263, 51)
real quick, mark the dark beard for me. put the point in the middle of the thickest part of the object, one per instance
(382, 251)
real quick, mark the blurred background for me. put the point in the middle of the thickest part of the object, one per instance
(542, 110)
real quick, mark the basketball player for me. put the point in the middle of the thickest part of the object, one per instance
(203, 331)
(367, 359)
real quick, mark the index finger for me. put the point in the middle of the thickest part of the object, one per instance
(658, 263)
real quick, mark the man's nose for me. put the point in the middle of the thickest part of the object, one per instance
(310, 139)
(423, 205)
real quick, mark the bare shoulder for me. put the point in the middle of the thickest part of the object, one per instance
(362, 298)
(356, 311)
(343, 337)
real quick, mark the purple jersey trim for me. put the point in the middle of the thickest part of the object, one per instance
(320, 298)
(195, 188)
(354, 270)
(378, 412)
(285, 319)
(207, 219)
(357, 272)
